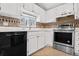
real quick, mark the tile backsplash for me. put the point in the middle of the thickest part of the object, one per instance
(9, 21)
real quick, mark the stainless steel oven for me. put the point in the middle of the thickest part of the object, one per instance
(64, 37)
(64, 41)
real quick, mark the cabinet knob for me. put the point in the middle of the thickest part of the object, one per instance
(27, 51)
(0, 8)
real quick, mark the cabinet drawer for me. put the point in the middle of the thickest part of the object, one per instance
(77, 45)
(76, 38)
(31, 37)
(76, 35)
(77, 32)
(31, 33)
(77, 50)
(76, 41)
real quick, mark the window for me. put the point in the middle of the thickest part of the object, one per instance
(28, 21)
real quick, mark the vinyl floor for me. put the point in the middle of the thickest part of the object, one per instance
(49, 51)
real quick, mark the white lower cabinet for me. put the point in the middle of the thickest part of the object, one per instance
(38, 39)
(41, 40)
(49, 37)
(35, 41)
(32, 45)
(77, 41)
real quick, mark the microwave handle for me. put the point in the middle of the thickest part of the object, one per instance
(17, 34)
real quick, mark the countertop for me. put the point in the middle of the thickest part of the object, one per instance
(11, 29)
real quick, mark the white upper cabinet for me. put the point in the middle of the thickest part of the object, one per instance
(76, 10)
(12, 9)
(60, 11)
(64, 10)
(16, 9)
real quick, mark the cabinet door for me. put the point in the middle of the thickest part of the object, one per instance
(77, 42)
(32, 45)
(64, 10)
(69, 9)
(13, 9)
(40, 38)
(76, 8)
(59, 11)
(43, 38)
(49, 38)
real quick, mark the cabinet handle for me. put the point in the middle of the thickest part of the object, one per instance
(27, 39)
(27, 51)
(17, 34)
(38, 36)
(78, 50)
(0, 8)
(8, 34)
(70, 12)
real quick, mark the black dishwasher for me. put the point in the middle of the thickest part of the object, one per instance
(13, 43)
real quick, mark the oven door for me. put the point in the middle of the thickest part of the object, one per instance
(64, 37)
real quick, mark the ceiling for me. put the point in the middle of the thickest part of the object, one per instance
(48, 6)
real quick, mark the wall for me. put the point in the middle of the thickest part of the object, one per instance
(9, 21)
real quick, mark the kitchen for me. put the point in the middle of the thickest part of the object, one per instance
(39, 29)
